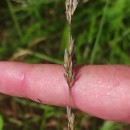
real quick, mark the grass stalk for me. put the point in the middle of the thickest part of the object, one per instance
(24, 52)
(16, 23)
(69, 60)
(95, 48)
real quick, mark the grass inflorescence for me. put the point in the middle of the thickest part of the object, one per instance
(35, 31)
(69, 59)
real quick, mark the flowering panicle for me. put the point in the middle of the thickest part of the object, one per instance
(69, 59)
(70, 8)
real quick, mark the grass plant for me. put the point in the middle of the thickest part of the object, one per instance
(69, 60)
(35, 31)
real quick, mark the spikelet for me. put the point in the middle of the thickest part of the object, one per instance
(70, 8)
(69, 60)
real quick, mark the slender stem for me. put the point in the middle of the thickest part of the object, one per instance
(17, 26)
(69, 59)
(95, 48)
(69, 26)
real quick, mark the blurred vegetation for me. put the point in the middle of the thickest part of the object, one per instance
(35, 31)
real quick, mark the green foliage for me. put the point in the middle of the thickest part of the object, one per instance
(35, 31)
(1, 123)
(101, 31)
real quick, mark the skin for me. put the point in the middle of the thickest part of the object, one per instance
(100, 90)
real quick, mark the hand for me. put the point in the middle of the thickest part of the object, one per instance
(100, 90)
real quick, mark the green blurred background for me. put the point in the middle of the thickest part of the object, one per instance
(35, 31)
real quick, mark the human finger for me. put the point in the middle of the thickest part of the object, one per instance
(100, 90)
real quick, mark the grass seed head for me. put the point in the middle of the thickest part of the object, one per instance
(70, 8)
